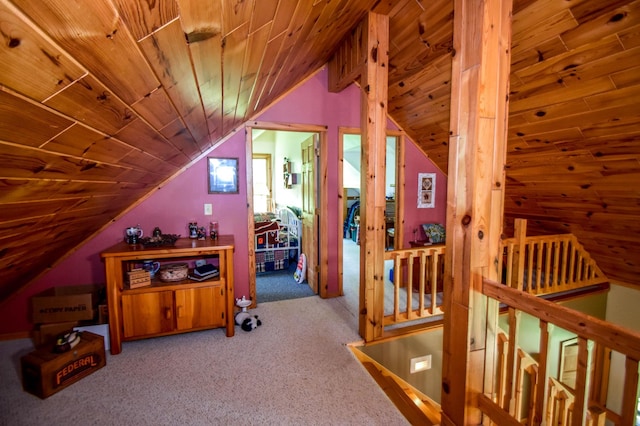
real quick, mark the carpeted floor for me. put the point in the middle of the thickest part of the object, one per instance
(280, 285)
(294, 369)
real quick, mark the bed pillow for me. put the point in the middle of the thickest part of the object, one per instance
(434, 231)
(264, 217)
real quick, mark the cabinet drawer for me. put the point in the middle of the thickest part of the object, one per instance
(146, 314)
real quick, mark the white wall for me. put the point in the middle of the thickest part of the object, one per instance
(289, 145)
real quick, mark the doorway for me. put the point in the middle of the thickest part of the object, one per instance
(349, 178)
(281, 182)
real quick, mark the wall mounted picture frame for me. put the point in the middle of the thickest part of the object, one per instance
(426, 190)
(223, 175)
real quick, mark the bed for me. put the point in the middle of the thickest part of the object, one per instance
(277, 239)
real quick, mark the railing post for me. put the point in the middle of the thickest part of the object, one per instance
(630, 392)
(520, 235)
(545, 329)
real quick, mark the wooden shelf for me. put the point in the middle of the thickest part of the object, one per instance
(164, 308)
(158, 285)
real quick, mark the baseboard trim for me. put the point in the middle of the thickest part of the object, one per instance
(16, 335)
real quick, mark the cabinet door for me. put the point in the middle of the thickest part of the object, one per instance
(200, 307)
(146, 314)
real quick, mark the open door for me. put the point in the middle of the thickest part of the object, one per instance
(314, 235)
(309, 218)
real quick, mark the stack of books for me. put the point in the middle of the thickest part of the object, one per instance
(204, 272)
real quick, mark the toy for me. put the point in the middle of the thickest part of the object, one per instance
(243, 318)
(66, 341)
(246, 321)
(301, 269)
(251, 323)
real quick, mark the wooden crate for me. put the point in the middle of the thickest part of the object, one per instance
(45, 372)
(138, 278)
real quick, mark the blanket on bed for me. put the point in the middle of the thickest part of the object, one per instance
(267, 233)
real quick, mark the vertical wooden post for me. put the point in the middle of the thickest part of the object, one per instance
(520, 234)
(374, 86)
(538, 415)
(477, 151)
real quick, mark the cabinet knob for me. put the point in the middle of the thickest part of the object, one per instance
(167, 313)
(179, 313)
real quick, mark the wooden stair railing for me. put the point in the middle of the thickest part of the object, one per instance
(560, 401)
(559, 398)
(538, 265)
(546, 264)
(585, 405)
(418, 276)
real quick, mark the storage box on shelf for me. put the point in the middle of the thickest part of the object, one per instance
(138, 278)
(45, 372)
(169, 307)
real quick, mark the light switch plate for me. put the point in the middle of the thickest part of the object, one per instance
(208, 209)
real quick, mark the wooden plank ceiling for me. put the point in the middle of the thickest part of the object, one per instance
(102, 100)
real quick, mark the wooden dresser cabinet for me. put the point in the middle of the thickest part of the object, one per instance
(164, 308)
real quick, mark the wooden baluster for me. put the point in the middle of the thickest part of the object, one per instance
(538, 259)
(409, 305)
(581, 382)
(629, 401)
(510, 269)
(422, 284)
(548, 279)
(520, 252)
(435, 278)
(565, 259)
(596, 416)
(514, 320)
(397, 277)
(572, 265)
(502, 368)
(555, 279)
(545, 330)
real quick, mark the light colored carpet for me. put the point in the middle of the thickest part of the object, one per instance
(294, 369)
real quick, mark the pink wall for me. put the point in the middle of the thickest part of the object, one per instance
(172, 206)
(413, 216)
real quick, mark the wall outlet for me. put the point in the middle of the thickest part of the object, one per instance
(208, 209)
(420, 363)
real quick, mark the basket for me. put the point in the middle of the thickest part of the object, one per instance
(173, 272)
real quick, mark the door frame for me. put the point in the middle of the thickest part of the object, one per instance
(321, 209)
(399, 214)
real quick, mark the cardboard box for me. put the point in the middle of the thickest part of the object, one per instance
(45, 372)
(46, 334)
(69, 303)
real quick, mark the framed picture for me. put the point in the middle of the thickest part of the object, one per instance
(426, 190)
(223, 175)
